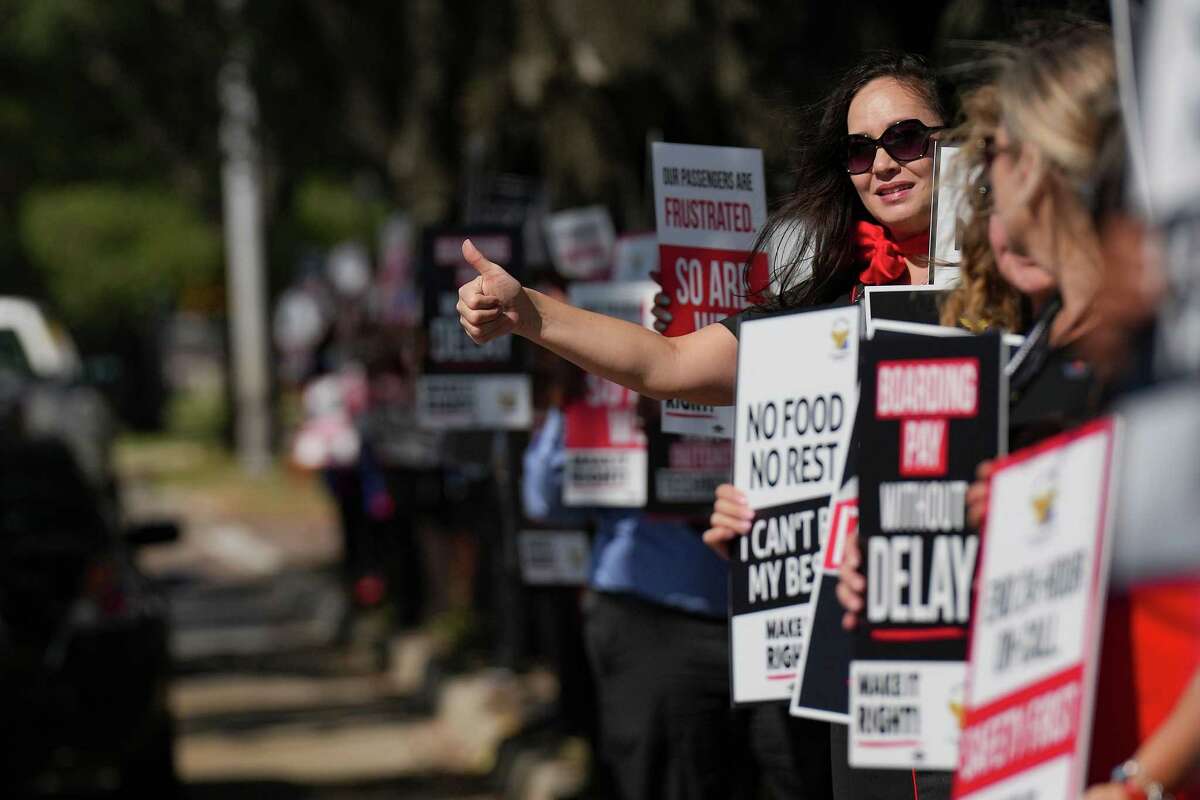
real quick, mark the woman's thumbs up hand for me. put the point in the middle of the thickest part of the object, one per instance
(489, 305)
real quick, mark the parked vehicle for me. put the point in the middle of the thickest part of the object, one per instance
(84, 662)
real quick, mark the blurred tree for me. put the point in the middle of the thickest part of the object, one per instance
(109, 252)
(330, 211)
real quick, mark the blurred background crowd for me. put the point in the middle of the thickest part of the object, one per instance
(230, 561)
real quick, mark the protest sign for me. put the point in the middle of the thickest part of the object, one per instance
(793, 407)
(1166, 135)
(1035, 635)
(917, 304)
(685, 471)
(553, 558)
(606, 457)
(933, 408)
(465, 386)
(581, 242)
(820, 691)
(948, 215)
(710, 204)
(635, 257)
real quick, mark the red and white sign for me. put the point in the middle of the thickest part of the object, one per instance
(710, 204)
(924, 395)
(606, 452)
(1036, 629)
(581, 242)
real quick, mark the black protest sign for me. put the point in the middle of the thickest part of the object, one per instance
(443, 271)
(796, 389)
(821, 692)
(933, 409)
(465, 386)
(685, 470)
(916, 304)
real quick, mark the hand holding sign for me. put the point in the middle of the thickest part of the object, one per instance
(662, 304)
(977, 495)
(851, 583)
(488, 307)
(731, 517)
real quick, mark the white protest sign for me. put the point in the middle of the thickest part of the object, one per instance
(1169, 107)
(796, 396)
(1036, 628)
(553, 558)
(709, 206)
(635, 257)
(581, 242)
(475, 402)
(947, 215)
(606, 454)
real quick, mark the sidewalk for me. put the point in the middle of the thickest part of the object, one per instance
(282, 691)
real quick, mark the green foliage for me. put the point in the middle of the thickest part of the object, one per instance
(198, 414)
(106, 251)
(39, 29)
(329, 212)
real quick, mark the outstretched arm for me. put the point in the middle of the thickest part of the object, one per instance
(700, 367)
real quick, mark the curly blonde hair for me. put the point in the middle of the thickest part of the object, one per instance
(983, 299)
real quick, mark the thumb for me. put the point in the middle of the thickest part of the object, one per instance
(476, 259)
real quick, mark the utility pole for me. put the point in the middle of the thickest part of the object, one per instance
(242, 202)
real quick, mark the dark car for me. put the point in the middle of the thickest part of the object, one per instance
(84, 663)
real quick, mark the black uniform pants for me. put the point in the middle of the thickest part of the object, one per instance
(666, 728)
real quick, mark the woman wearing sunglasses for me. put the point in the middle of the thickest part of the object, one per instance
(862, 202)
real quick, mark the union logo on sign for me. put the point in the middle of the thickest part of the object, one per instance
(840, 336)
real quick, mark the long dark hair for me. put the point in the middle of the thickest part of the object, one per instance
(818, 218)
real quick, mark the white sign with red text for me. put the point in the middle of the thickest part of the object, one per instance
(709, 206)
(1035, 637)
(606, 449)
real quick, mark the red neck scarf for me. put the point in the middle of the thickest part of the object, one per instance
(883, 257)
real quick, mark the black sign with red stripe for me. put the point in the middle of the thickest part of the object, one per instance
(933, 409)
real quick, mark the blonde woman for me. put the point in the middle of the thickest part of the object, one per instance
(998, 289)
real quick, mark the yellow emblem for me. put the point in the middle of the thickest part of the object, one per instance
(1043, 506)
(960, 713)
(839, 337)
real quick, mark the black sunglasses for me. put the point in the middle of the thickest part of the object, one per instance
(906, 140)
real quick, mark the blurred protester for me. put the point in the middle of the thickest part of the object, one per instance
(1155, 581)
(400, 467)
(359, 432)
(998, 288)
